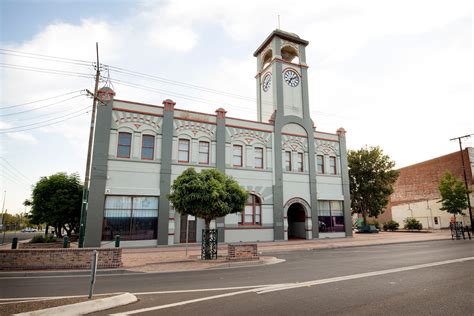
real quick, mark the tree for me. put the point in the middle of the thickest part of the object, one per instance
(371, 178)
(207, 195)
(453, 194)
(56, 201)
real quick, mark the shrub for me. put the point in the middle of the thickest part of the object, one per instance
(390, 225)
(374, 222)
(413, 223)
(39, 239)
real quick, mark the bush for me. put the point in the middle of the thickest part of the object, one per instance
(390, 225)
(374, 222)
(40, 239)
(413, 223)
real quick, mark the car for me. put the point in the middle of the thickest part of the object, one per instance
(29, 230)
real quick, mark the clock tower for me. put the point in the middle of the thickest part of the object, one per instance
(282, 99)
(282, 84)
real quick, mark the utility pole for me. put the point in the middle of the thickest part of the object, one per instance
(3, 214)
(465, 176)
(85, 191)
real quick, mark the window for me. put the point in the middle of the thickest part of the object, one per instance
(331, 216)
(252, 214)
(124, 145)
(131, 217)
(300, 162)
(259, 157)
(204, 153)
(332, 165)
(183, 150)
(237, 156)
(288, 160)
(320, 163)
(148, 147)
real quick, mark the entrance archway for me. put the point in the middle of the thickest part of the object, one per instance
(296, 221)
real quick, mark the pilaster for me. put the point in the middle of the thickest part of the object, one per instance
(220, 162)
(341, 132)
(165, 172)
(100, 152)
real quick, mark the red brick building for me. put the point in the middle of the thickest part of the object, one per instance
(416, 190)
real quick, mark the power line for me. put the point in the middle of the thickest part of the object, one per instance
(38, 116)
(15, 169)
(49, 59)
(57, 96)
(27, 129)
(7, 130)
(41, 55)
(41, 107)
(47, 71)
(13, 177)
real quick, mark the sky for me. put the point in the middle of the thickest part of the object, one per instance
(394, 74)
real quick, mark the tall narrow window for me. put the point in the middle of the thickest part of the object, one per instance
(252, 213)
(288, 160)
(204, 153)
(148, 147)
(300, 162)
(258, 157)
(332, 165)
(183, 150)
(237, 156)
(320, 163)
(124, 145)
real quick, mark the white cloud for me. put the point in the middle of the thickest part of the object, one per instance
(22, 138)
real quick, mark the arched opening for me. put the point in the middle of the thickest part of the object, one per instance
(267, 58)
(296, 221)
(290, 54)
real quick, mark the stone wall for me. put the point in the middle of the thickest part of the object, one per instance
(64, 258)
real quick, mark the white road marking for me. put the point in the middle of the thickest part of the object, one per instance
(154, 308)
(281, 287)
(206, 290)
(363, 275)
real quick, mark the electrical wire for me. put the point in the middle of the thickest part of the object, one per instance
(13, 176)
(15, 169)
(38, 116)
(41, 55)
(41, 107)
(48, 59)
(57, 96)
(6, 130)
(46, 125)
(47, 71)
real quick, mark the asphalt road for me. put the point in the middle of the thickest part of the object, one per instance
(344, 283)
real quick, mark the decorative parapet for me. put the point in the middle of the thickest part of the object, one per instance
(169, 104)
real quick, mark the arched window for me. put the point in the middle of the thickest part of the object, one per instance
(252, 214)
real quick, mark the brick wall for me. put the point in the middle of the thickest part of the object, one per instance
(242, 252)
(65, 258)
(420, 181)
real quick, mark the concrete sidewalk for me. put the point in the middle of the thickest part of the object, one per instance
(173, 258)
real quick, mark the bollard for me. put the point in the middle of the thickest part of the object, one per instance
(65, 242)
(14, 242)
(117, 241)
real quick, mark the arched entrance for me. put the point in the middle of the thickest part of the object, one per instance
(296, 221)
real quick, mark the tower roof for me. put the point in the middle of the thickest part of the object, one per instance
(282, 34)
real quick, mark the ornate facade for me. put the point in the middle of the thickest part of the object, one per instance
(297, 176)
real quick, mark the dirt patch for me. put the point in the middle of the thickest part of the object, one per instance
(10, 308)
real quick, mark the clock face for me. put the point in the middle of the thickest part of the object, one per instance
(267, 82)
(291, 78)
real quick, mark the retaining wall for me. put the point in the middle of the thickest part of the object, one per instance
(64, 258)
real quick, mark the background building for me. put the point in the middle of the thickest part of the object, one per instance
(416, 191)
(297, 176)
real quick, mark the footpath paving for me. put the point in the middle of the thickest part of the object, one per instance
(174, 258)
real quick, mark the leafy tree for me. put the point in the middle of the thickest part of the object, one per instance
(56, 201)
(207, 195)
(371, 178)
(453, 194)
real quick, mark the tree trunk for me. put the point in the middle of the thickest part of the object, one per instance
(46, 230)
(364, 215)
(208, 223)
